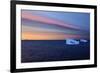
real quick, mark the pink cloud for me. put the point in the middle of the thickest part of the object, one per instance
(38, 18)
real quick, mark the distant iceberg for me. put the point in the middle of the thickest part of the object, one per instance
(83, 40)
(72, 42)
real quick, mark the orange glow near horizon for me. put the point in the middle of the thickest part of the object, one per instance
(47, 36)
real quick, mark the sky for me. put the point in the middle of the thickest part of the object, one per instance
(52, 25)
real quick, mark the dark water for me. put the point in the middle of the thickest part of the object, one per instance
(54, 50)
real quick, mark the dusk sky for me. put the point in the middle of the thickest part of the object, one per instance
(50, 25)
